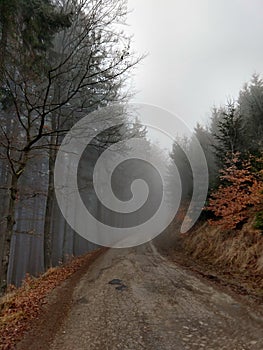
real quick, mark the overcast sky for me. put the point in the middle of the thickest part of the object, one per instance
(200, 52)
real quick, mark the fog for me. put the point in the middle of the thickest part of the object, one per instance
(200, 52)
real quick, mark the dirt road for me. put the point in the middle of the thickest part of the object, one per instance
(156, 306)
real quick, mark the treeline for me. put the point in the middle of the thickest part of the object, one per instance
(233, 146)
(59, 61)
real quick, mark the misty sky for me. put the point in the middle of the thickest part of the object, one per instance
(200, 52)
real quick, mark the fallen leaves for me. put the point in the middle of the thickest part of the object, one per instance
(21, 306)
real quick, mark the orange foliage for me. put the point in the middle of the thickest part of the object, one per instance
(243, 188)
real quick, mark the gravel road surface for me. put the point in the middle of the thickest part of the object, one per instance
(153, 304)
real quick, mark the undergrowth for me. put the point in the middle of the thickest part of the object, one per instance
(234, 252)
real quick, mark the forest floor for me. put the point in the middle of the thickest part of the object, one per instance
(137, 299)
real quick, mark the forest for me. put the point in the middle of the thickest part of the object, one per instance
(62, 60)
(232, 143)
(59, 61)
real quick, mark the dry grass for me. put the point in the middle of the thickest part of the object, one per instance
(236, 252)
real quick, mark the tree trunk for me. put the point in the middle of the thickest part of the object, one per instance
(49, 208)
(4, 37)
(4, 203)
(8, 233)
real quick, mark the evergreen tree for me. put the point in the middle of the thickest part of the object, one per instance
(229, 134)
(180, 160)
(251, 108)
(206, 140)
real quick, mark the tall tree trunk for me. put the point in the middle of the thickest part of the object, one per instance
(5, 27)
(4, 203)
(8, 233)
(48, 226)
(49, 207)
